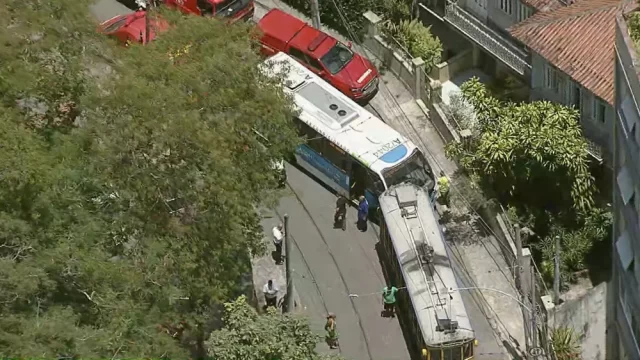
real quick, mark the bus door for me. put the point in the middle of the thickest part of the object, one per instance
(365, 182)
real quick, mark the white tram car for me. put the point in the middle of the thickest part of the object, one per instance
(417, 258)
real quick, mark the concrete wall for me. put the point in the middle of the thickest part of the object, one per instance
(446, 70)
(586, 316)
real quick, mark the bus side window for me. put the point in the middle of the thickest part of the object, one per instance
(335, 155)
(312, 138)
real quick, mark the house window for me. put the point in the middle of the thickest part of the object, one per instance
(576, 96)
(551, 78)
(506, 6)
(599, 110)
(524, 12)
(625, 251)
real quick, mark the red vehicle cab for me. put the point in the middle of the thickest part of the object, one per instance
(330, 59)
(133, 27)
(234, 10)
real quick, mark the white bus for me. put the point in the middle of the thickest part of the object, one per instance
(347, 147)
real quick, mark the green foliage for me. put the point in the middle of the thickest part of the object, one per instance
(249, 336)
(345, 16)
(566, 344)
(575, 243)
(528, 152)
(129, 181)
(396, 10)
(633, 22)
(416, 38)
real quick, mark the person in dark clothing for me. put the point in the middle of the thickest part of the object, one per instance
(339, 219)
(363, 214)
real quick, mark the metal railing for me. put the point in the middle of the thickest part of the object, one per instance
(488, 39)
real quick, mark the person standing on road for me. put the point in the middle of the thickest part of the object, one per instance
(339, 219)
(332, 332)
(278, 236)
(389, 300)
(363, 213)
(270, 291)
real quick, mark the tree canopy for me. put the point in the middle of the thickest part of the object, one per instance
(247, 335)
(130, 178)
(530, 152)
(533, 158)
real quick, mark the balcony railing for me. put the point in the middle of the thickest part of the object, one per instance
(489, 40)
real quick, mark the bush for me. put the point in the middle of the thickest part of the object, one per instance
(566, 343)
(416, 38)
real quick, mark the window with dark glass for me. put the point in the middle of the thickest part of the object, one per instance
(468, 350)
(335, 155)
(312, 138)
(314, 63)
(453, 353)
(435, 354)
(297, 54)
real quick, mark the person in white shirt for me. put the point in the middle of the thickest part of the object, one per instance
(278, 236)
(270, 291)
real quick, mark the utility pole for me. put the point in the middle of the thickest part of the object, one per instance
(523, 288)
(315, 14)
(287, 259)
(534, 296)
(556, 274)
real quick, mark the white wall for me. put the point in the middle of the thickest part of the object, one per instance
(503, 18)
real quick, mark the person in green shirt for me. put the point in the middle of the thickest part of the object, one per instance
(332, 332)
(443, 188)
(389, 300)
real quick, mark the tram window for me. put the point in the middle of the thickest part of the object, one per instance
(435, 355)
(468, 350)
(454, 353)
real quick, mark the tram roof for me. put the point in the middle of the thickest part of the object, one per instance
(411, 222)
(340, 119)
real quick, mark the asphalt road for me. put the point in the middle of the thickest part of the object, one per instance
(329, 264)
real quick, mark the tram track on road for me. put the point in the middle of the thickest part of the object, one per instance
(335, 262)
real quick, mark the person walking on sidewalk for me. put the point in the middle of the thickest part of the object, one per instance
(332, 332)
(270, 291)
(278, 236)
(363, 213)
(389, 300)
(339, 219)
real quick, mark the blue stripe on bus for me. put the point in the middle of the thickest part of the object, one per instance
(323, 165)
(395, 154)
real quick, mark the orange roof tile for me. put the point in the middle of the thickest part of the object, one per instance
(578, 40)
(543, 5)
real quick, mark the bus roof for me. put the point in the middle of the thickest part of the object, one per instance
(425, 264)
(340, 119)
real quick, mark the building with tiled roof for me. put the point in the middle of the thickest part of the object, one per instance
(572, 61)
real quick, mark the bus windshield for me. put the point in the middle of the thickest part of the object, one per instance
(415, 170)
